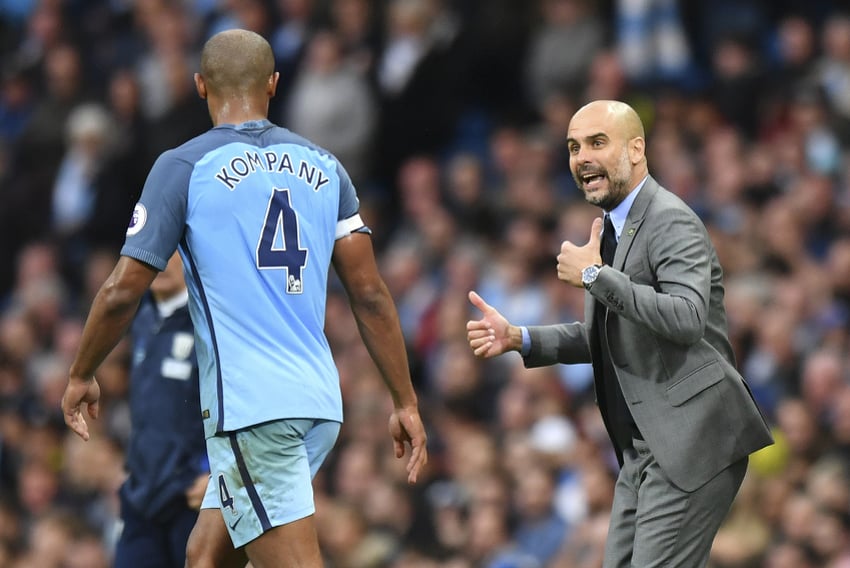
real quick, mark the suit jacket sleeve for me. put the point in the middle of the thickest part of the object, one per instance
(559, 343)
(677, 259)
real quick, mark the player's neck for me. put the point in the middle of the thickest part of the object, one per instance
(237, 110)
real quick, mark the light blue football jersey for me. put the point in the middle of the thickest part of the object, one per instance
(255, 211)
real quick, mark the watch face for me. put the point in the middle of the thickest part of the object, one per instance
(588, 275)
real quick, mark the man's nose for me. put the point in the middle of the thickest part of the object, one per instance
(581, 156)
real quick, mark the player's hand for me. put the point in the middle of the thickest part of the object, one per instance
(77, 392)
(195, 492)
(573, 259)
(492, 334)
(406, 427)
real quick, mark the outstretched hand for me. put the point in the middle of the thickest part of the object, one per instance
(573, 259)
(492, 334)
(77, 392)
(406, 427)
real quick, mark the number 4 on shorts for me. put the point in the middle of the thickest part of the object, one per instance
(224, 495)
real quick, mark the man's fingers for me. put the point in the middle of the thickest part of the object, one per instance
(77, 394)
(77, 423)
(480, 333)
(480, 338)
(412, 471)
(408, 429)
(94, 409)
(482, 350)
(418, 459)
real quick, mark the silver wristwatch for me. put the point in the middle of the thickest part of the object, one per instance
(589, 274)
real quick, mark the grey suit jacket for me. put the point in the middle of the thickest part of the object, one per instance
(667, 335)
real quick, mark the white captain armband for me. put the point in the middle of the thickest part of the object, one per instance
(353, 224)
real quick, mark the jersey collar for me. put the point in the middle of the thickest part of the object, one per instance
(249, 125)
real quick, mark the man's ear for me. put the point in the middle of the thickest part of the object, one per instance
(200, 86)
(271, 88)
(637, 149)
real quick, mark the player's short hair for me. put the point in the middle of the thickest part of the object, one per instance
(236, 62)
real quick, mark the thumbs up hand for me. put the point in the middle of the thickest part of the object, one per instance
(573, 259)
(492, 334)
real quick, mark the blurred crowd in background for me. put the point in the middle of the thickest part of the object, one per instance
(451, 118)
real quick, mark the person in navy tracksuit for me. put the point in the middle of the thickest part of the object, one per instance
(166, 457)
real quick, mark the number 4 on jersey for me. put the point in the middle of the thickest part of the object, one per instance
(280, 243)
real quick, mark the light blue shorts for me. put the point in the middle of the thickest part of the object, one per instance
(261, 477)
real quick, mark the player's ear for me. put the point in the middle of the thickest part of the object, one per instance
(200, 86)
(271, 88)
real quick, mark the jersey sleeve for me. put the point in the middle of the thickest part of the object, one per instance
(159, 217)
(349, 220)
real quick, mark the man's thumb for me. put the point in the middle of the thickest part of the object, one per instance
(478, 301)
(595, 232)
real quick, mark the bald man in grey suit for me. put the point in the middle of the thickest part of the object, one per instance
(681, 418)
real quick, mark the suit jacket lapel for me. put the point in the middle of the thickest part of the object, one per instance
(634, 221)
(630, 230)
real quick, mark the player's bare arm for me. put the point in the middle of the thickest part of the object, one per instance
(110, 316)
(377, 320)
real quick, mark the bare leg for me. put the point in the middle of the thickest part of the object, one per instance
(296, 542)
(209, 544)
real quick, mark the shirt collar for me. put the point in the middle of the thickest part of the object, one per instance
(619, 213)
(167, 307)
(249, 125)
